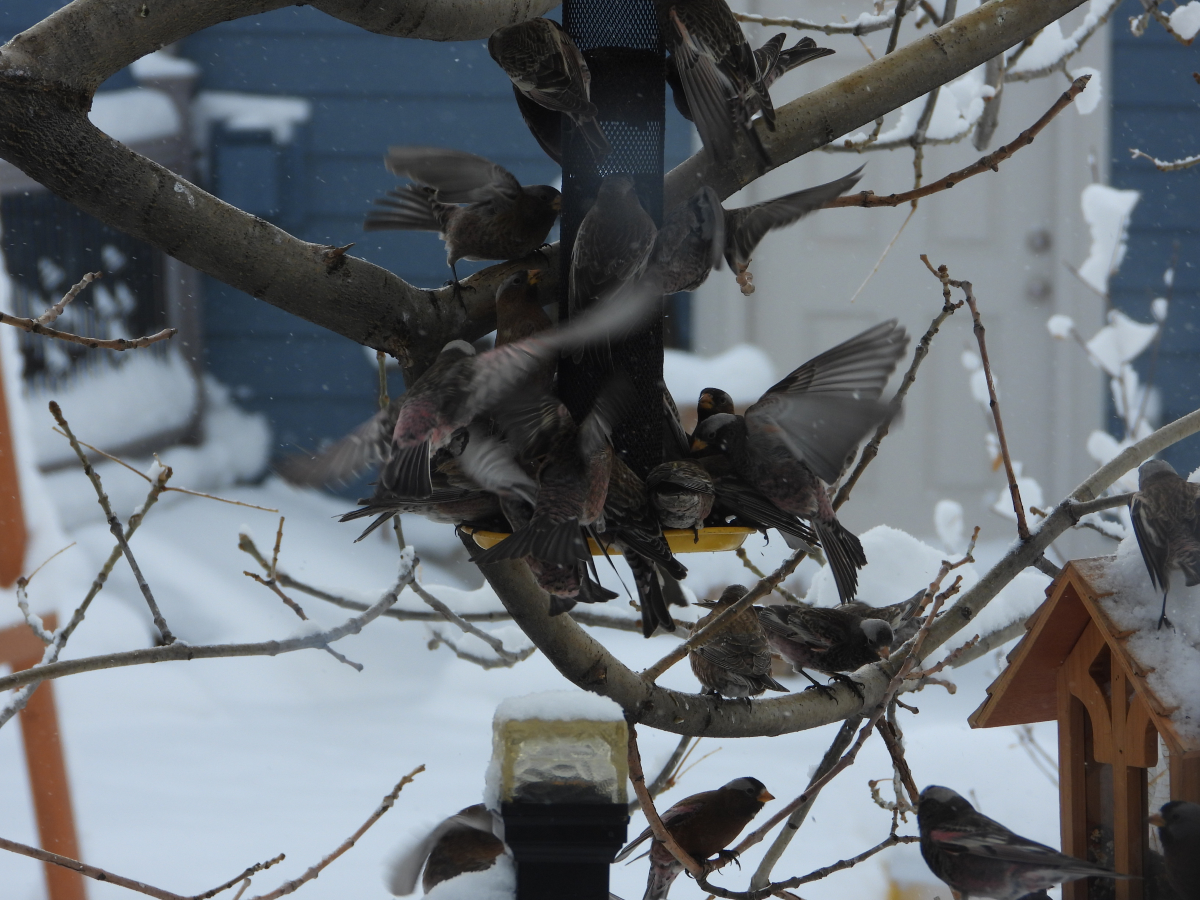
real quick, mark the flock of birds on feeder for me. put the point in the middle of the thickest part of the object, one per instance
(480, 439)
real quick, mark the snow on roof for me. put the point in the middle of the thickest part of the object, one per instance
(743, 371)
(249, 112)
(134, 115)
(1169, 656)
(555, 706)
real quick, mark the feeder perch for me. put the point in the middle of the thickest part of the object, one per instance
(681, 540)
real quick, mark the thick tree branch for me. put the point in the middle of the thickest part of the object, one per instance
(876, 89)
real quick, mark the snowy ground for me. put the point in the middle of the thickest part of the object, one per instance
(185, 773)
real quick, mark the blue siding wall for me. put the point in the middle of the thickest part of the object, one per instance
(1156, 108)
(367, 92)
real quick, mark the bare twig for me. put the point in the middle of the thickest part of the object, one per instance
(316, 870)
(950, 660)
(466, 627)
(841, 741)
(33, 326)
(177, 490)
(505, 661)
(896, 750)
(1163, 165)
(661, 834)
(103, 875)
(991, 162)
(274, 586)
(705, 634)
(855, 28)
(942, 273)
(114, 525)
(666, 776)
(53, 312)
(181, 651)
(759, 573)
(871, 450)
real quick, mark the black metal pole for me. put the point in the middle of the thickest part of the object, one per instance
(620, 41)
(563, 850)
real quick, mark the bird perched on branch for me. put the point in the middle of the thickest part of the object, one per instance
(737, 661)
(718, 73)
(462, 843)
(700, 231)
(502, 219)
(830, 640)
(1179, 831)
(979, 857)
(772, 60)
(703, 825)
(798, 436)
(612, 246)
(547, 68)
(1166, 521)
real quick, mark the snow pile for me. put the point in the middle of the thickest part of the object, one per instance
(959, 106)
(249, 112)
(134, 115)
(743, 371)
(1170, 656)
(1120, 342)
(1030, 489)
(497, 883)
(1106, 211)
(161, 64)
(1060, 327)
(1087, 101)
(948, 522)
(559, 706)
(1051, 46)
(235, 448)
(116, 405)
(1185, 20)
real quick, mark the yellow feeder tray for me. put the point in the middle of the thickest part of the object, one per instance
(713, 539)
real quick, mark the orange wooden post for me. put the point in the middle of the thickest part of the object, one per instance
(13, 535)
(20, 648)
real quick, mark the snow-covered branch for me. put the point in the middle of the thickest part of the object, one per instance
(1166, 165)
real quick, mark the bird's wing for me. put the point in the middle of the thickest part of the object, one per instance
(693, 479)
(859, 367)
(675, 440)
(712, 222)
(347, 458)
(767, 56)
(753, 222)
(458, 176)
(738, 654)
(820, 430)
(708, 90)
(405, 866)
(490, 464)
(993, 841)
(1150, 542)
(679, 813)
(744, 501)
(778, 621)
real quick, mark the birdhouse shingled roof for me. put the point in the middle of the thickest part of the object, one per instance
(1027, 690)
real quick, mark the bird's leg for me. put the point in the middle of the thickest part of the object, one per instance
(1163, 620)
(850, 683)
(695, 534)
(823, 688)
(722, 859)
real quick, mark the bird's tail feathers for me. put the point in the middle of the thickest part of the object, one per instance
(845, 554)
(409, 208)
(650, 596)
(561, 543)
(597, 140)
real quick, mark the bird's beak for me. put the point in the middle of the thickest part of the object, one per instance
(765, 796)
(705, 401)
(534, 275)
(1157, 820)
(556, 203)
(884, 652)
(698, 444)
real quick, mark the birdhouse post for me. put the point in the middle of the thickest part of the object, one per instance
(620, 41)
(1123, 751)
(558, 777)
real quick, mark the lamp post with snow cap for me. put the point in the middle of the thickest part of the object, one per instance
(558, 778)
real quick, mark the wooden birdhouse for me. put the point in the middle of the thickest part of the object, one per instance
(1124, 748)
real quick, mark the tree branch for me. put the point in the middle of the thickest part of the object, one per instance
(36, 327)
(181, 650)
